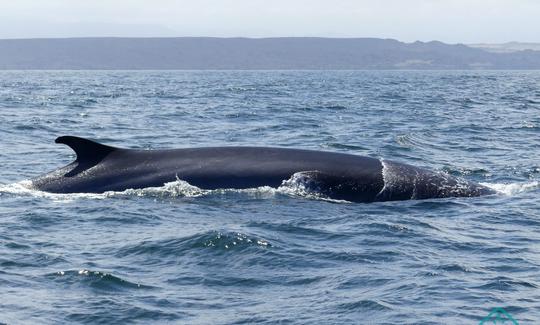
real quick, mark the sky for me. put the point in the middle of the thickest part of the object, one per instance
(450, 21)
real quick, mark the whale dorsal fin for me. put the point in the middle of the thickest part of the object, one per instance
(87, 150)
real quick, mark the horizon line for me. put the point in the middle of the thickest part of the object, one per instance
(263, 38)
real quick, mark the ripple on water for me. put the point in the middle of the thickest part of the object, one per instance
(365, 306)
(506, 284)
(30, 259)
(107, 310)
(216, 242)
(95, 280)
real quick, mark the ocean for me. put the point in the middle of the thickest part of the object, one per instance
(181, 255)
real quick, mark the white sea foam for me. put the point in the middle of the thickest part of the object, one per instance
(302, 184)
(299, 185)
(513, 188)
(24, 188)
(172, 189)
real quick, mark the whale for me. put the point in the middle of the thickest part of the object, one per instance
(100, 168)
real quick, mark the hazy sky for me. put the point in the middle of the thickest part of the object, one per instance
(453, 21)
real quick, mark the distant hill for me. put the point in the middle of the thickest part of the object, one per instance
(250, 53)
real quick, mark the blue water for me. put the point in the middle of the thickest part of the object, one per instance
(177, 254)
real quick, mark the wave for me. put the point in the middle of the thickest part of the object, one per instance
(95, 279)
(180, 246)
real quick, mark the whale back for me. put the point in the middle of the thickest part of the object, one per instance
(99, 168)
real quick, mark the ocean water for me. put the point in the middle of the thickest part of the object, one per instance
(177, 254)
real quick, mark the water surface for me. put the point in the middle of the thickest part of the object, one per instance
(180, 255)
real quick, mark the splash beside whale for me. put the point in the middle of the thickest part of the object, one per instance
(100, 168)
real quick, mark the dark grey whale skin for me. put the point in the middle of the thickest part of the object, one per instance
(100, 168)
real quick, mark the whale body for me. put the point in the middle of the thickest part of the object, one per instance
(99, 168)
